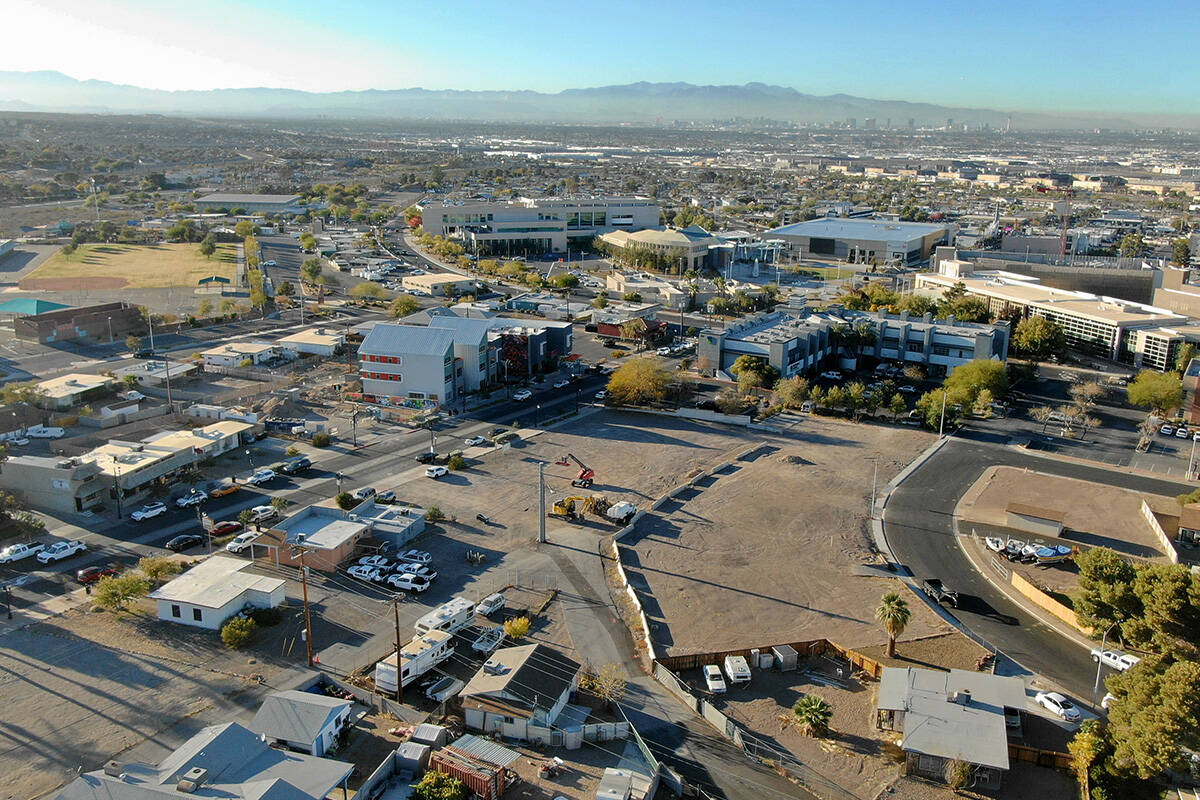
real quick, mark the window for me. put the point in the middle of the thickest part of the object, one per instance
(175, 612)
(197, 615)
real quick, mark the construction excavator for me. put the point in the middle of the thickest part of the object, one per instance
(576, 509)
(586, 475)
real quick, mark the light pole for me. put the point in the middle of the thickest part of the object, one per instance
(942, 423)
(1192, 460)
(874, 483)
(541, 501)
(1099, 664)
(250, 459)
(537, 414)
(110, 336)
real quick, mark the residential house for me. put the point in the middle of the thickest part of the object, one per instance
(520, 688)
(76, 388)
(303, 722)
(214, 590)
(235, 354)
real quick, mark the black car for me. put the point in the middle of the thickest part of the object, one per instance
(144, 352)
(185, 542)
(426, 457)
(295, 465)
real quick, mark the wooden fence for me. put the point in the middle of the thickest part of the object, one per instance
(1042, 758)
(680, 663)
(868, 665)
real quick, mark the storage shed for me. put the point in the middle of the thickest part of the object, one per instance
(786, 657)
(412, 757)
(430, 734)
(1035, 519)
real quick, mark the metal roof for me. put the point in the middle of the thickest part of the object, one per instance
(28, 305)
(486, 750)
(296, 716)
(407, 339)
(877, 229)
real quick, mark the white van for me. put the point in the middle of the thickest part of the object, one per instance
(450, 617)
(737, 669)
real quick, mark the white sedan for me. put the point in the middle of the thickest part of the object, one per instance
(241, 542)
(436, 471)
(564, 383)
(522, 394)
(600, 395)
(475, 441)
(1058, 705)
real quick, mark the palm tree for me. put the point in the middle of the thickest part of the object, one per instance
(810, 716)
(893, 614)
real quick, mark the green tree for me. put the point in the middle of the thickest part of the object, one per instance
(286, 289)
(310, 270)
(238, 632)
(835, 398)
(439, 786)
(368, 290)
(1087, 748)
(321, 439)
(1181, 252)
(404, 305)
(280, 503)
(133, 343)
(893, 614)
(897, 406)
(1161, 391)
(208, 246)
(1184, 356)
(608, 683)
(246, 517)
(767, 376)
(345, 501)
(1133, 246)
(117, 591)
(565, 280)
(792, 392)
(456, 462)
(638, 382)
(158, 569)
(810, 716)
(1038, 337)
(966, 381)
(600, 300)
(1158, 714)
(1106, 593)
(245, 228)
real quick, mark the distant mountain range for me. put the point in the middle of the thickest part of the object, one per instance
(637, 103)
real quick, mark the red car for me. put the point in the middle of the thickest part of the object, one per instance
(227, 527)
(89, 575)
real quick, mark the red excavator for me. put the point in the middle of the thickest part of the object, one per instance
(586, 475)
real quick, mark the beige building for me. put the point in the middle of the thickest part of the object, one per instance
(686, 247)
(55, 484)
(315, 342)
(440, 283)
(72, 389)
(235, 354)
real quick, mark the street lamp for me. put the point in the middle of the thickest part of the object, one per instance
(249, 459)
(110, 334)
(537, 414)
(1099, 664)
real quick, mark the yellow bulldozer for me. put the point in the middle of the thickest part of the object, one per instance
(576, 509)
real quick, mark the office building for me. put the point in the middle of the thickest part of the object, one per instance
(535, 225)
(1120, 330)
(404, 365)
(684, 248)
(106, 322)
(863, 241)
(251, 203)
(441, 283)
(54, 483)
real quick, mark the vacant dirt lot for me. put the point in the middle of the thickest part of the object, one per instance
(116, 266)
(762, 553)
(1096, 515)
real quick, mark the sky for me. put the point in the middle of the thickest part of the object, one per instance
(1017, 55)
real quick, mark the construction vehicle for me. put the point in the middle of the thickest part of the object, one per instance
(577, 508)
(586, 475)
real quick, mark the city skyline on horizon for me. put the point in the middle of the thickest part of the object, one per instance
(885, 54)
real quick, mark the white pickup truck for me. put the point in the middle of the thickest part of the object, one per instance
(60, 550)
(16, 552)
(1114, 658)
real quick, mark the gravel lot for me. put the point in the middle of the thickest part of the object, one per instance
(763, 552)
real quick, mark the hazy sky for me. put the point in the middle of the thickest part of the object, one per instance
(1100, 55)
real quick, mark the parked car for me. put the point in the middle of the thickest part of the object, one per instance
(379, 562)
(1167, 430)
(436, 471)
(601, 395)
(488, 641)
(387, 497)
(225, 487)
(713, 679)
(226, 527)
(832, 375)
(365, 573)
(475, 441)
(184, 542)
(296, 465)
(522, 394)
(90, 575)
(564, 383)
(427, 457)
(1182, 433)
(193, 498)
(20, 441)
(261, 476)
(148, 511)
(1058, 705)
(1110, 658)
(407, 582)
(263, 513)
(45, 432)
(60, 550)
(490, 605)
(415, 557)
(241, 541)
(16, 552)
(907, 388)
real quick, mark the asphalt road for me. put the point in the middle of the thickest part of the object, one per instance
(919, 525)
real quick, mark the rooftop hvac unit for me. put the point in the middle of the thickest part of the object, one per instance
(114, 769)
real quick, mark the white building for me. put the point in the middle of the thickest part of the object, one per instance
(214, 590)
(313, 342)
(418, 655)
(535, 225)
(404, 365)
(235, 354)
(70, 390)
(520, 692)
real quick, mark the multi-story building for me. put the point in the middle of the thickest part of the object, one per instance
(864, 241)
(106, 322)
(1121, 330)
(405, 365)
(535, 225)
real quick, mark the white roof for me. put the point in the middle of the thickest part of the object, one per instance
(214, 583)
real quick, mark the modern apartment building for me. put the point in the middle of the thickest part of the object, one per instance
(404, 365)
(535, 225)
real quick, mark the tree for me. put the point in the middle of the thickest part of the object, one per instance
(1038, 337)
(516, 627)
(259, 299)
(310, 270)
(204, 307)
(246, 228)
(638, 382)
(321, 439)
(757, 366)
(897, 406)
(966, 381)
(1158, 714)
(434, 514)
(238, 632)
(1106, 593)
(1184, 356)
(456, 462)
(634, 330)
(133, 343)
(26, 392)
(835, 398)
(608, 683)
(893, 614)
(404, 305)
(1042, 414)
(286, 289)
(280, 503)
(1133, 246)
(1181, 252)
(246, 517)
(1086, 749)
(117, 591)
(158, 569)
(368, 290)
(345, 501)
(1161, 391)
(439, 786)
(810, 716)
(792, 392)
(1087, 394)
(565, 280)
(208, 246)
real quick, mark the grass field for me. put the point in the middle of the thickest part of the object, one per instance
(114, 266)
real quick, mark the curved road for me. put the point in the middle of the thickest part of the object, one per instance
(920, 529)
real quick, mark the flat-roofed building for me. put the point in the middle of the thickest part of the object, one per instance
(214, 590)
(315, 342)
(681, 248)
(863, 241)
(72, 389)
(1121, 330)
(105, 322)
(55, 483)
(251, 203)
(235, 354)
(331, 535)
(441, 283)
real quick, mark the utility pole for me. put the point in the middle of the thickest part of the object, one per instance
(874, 483)
(307, 618)
(150, 322)
(170, 404)
(942, 423)
(399, 671)
(541, 501)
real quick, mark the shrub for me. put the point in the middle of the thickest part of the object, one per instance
(516, 627)
(118, 591)
(266, 617)
(321, 439)
(237, 632)
(292, 451)
(158, 568)
(434, 514)
(345, 501)
(457, 462)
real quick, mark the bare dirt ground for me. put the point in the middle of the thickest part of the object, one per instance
(762, 553)
(115, 683)
(940, 651)
(1096, 515)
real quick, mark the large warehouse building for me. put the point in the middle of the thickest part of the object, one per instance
(251, 203)
(863, 241)
(535, 225)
